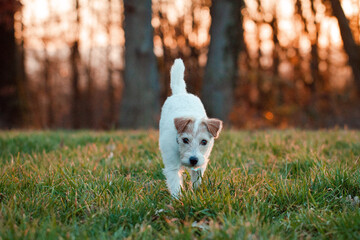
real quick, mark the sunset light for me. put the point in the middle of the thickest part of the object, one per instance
(36, 12)
(287, 44)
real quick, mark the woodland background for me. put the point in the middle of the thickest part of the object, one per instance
(104, 64)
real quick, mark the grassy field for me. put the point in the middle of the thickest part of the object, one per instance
(109, 185)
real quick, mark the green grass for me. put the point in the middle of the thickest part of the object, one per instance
(109, 185)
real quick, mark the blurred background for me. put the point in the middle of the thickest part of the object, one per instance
(103, 64)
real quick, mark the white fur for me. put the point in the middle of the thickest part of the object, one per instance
(177, 83)
(181, 104)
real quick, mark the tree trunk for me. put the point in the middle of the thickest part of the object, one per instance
(9, 99)
(276, 60)
(314, 64)
(221, 68)
(74, 60)
(75, 85)
(25, 118)
(350, 46)
(317, 81)
(110, 85)
(140, 103)
(50, 118)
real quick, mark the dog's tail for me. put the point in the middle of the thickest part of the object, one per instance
(177, 82)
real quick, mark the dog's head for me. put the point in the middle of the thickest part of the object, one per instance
(196, 139)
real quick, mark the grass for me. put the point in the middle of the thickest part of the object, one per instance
(108, 185)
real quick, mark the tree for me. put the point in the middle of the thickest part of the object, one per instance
(110, 85)
(314, 64)
(9, 86)
(74, 60)
(350, 46)
(48, 89)
(221, 68)
(47, 66)
(140, 102)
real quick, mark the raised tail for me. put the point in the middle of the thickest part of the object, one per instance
(177, 82)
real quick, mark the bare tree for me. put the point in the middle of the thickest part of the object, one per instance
(74, 61)
(140, 103)
(89, 108)
(50, 115)
(9, 94)
(316, 76)
(47, 63)
(22, 83)
(221, 68)
(350, 46)
(110, 84)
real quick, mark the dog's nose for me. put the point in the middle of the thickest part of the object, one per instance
(193, 161)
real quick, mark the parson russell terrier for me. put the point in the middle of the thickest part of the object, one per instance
(186, 133)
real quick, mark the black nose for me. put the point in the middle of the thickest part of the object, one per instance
(193, 161)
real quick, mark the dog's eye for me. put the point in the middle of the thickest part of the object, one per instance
(203, 142)
(185, 140)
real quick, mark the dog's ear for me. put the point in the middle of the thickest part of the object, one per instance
(182, 123)
(214, 126)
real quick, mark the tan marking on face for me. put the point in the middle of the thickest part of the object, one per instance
(214, 126)
(183, 125)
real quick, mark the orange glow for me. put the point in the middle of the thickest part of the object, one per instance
(40, 18)
(349, 8)
(285, 8)
(265, 32)
(269, 115)
(258, 33)
(305, 44)
(335, 36)
(41, 10)
(155, 22)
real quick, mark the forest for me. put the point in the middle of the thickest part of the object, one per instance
(104, 64)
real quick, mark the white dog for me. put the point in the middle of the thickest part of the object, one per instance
(186, 133)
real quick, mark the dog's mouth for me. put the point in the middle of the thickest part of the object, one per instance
(192, 167)
(188, 165)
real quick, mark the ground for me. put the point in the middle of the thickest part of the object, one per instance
(109, 185)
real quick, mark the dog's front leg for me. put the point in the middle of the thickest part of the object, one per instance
(196, 176)
(174, 181)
